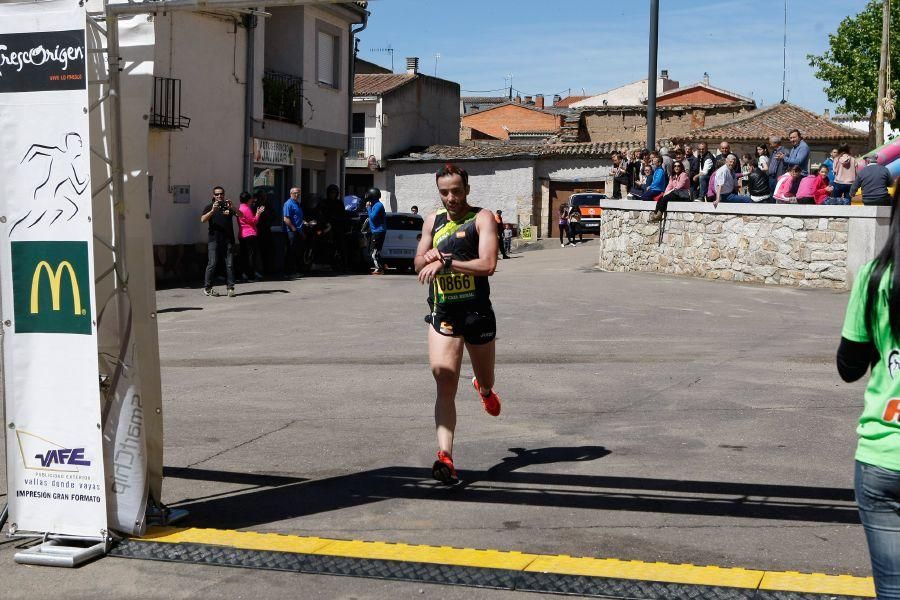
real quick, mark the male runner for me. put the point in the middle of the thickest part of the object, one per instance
(455, 257)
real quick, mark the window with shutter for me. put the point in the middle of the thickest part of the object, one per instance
(326, 46)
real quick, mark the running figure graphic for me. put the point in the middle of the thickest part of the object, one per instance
(61, 181)
(455, 257)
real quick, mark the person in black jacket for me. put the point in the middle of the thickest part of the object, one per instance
(758, 185)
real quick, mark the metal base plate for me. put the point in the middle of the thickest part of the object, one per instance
(56, 554)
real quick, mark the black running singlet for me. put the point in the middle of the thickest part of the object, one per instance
(460, 240)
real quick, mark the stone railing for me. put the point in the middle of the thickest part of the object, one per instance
(780, 244)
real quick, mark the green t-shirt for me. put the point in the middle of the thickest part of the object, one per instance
(879, 424)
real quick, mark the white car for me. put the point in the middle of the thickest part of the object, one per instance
(402, 234)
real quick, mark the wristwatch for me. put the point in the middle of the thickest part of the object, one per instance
(448, 263)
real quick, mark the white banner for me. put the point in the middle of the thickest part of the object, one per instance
(55, 474)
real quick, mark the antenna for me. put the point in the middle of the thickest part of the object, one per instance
(437, 57)
(508, 79)
(784, 57)
(386, 50)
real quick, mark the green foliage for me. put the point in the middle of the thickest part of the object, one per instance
(850, 65)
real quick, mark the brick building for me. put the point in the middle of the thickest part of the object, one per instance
(498, 122)
(621, 114)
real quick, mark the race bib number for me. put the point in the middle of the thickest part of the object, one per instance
(453, 287)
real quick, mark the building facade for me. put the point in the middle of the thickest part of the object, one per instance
(528, 183)
(393, 113)
(299, 73)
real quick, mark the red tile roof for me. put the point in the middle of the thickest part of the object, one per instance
(777, 120)
(378, 84)
(503, 151)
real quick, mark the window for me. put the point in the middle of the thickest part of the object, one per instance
(328, 54)
(359, 123)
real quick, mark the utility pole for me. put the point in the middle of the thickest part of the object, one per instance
(882, 71)
(651, 75)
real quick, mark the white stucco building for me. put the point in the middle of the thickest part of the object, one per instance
(300, 77)
(393, 113)
(528, 183)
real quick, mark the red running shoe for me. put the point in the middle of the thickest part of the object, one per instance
(443, 469)
(491, 402)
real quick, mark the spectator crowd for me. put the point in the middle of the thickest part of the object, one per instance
(777, 173)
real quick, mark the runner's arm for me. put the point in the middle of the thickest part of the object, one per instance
(425, 254)
(486, 263)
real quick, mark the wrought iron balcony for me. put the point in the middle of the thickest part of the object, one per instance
(283, 97)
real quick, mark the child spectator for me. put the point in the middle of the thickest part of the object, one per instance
(783, 193)
(814, 187)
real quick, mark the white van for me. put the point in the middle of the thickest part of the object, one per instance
(402, 234)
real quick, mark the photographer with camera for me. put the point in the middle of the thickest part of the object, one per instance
(219, 213)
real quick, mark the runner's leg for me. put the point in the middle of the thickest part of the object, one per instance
(445, 356)
(483, 357)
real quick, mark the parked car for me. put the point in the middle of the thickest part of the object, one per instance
(588, 206)
(402, 234)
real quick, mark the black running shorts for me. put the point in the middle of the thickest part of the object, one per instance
(475, 326)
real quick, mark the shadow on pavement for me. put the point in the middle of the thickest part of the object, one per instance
(177, 309)
(284, 498)
(260, 292)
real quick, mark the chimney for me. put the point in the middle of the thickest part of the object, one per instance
(539, 101)
(412, 65)
(664, 74)
(518, 99)
(705, 78)
(827, 113)
(556, 99)
(527, 99)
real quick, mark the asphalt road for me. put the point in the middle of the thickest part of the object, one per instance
(644, 417)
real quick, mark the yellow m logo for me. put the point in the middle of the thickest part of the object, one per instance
(55, 278)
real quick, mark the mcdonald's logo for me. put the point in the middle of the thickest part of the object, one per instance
(51, 287)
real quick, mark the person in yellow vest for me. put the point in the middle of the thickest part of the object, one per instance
(455, 257)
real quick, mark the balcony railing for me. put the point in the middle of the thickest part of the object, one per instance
(165, 112)
(283, 97)
(362, 146)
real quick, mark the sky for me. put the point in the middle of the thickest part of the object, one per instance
(590, 46)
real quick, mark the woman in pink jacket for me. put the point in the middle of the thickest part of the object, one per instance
(844, 172)
(249, 247)
(678, 190)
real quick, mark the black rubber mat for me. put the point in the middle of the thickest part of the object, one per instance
(525, 581)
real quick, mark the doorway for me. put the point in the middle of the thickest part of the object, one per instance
(560, 191)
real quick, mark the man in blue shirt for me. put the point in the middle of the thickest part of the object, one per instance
(293, 227)
(377, 230)
(799, 153)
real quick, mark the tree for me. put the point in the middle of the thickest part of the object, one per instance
(850, 65)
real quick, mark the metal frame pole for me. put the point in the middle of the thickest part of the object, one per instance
(651, 74)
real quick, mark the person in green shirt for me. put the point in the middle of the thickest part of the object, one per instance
(871, 338)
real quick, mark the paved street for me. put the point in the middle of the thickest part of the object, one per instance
(644, 417)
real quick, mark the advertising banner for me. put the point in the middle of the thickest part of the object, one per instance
(51, 382)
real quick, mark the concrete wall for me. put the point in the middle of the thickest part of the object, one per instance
(329, 105)
(285, 46)
(508, 185)
(422, 113)
(189, 47)
(803, 246)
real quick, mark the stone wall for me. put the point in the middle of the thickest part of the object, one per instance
(802, 250)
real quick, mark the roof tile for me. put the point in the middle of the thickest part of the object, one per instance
(777, 120)
(378, 84)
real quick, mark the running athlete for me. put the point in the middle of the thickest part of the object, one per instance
(455, 257)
